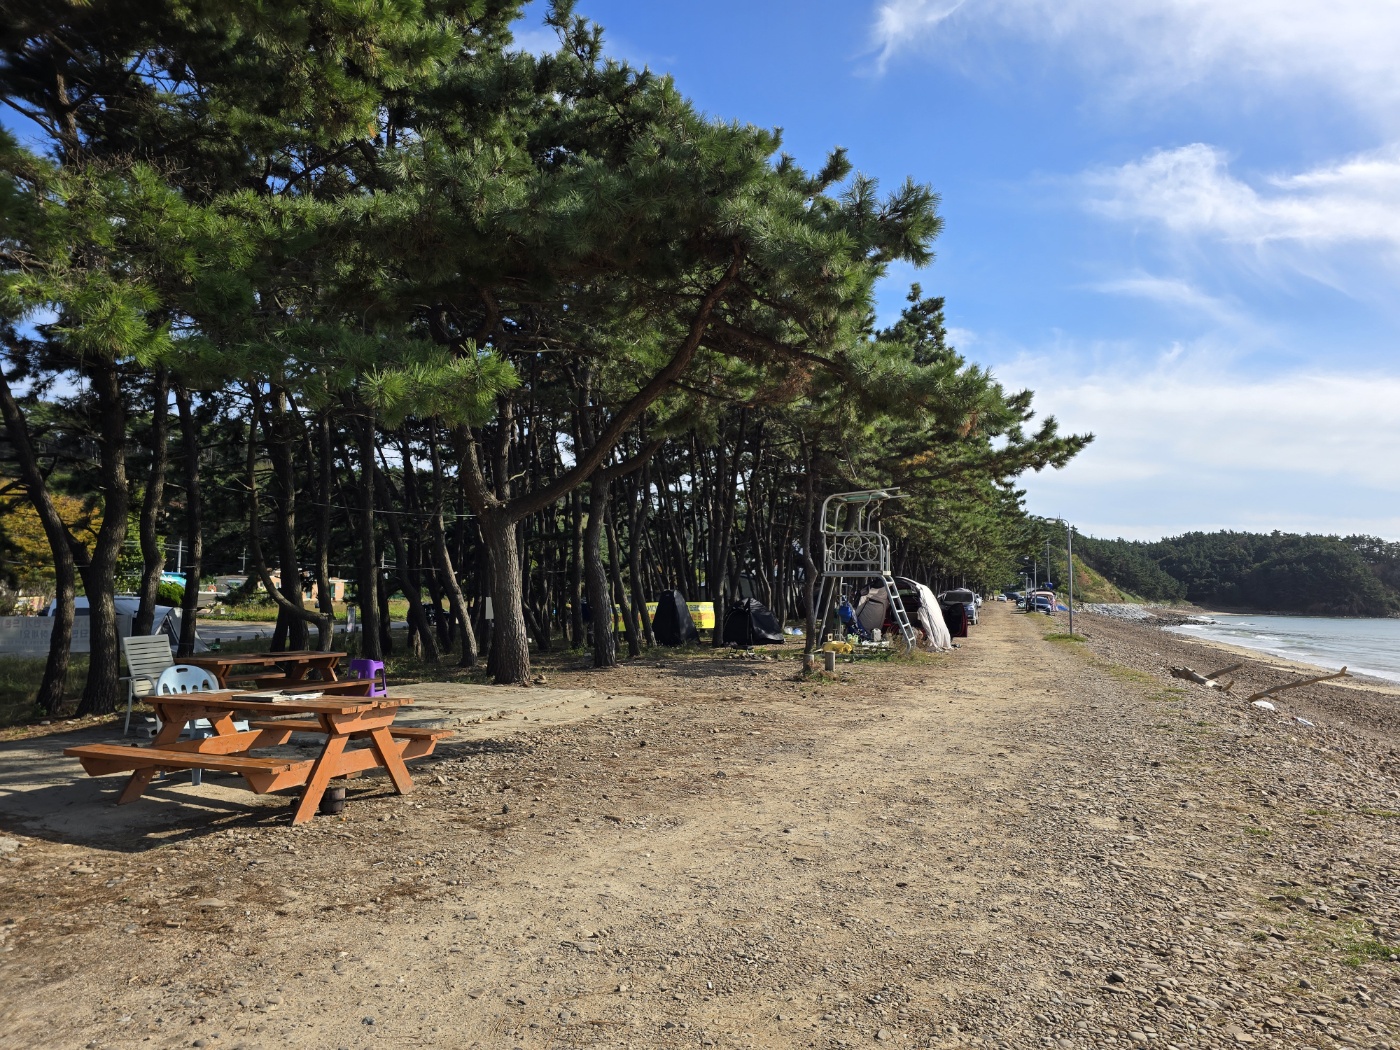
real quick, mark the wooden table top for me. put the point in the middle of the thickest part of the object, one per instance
(295, 656)
(231, 700)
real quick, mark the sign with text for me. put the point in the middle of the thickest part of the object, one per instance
(29, 635)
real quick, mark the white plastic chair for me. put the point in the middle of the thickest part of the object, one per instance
(180, 679)
(183, 678)
(148, 657)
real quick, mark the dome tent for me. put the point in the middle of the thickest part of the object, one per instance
(672, 624)
(749, 622)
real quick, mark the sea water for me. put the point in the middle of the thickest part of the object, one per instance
(1365, 646)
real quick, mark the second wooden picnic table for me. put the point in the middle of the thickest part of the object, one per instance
(340, 719)
(282, 669)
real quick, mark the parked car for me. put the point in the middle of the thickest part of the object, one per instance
(1042, 601)
(966, 598)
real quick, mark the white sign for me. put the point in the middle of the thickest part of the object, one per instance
(29, 635)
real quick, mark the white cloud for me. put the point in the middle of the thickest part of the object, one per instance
(1174, 292)
(1189, 443)
(1190, 190)
(1347, 46)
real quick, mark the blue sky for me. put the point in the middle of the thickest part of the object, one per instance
(1178, 221)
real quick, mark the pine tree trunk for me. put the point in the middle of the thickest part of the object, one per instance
(366, 556)
(194, 524)
(510, 647)
(456, 600)
(289, 612)
(809, 564)
(103, 687)
(152, 557)
(53, 685)
(629, 608)
(425, 645)
(325, 600)
(576, 631)
(599, 602)
(636, 537)
(277, 430)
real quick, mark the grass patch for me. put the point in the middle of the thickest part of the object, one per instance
(1061, 636)
(1384, 814)
(1125, 674)
(19, 681)
(1257, 831)
(1358, 951)
(266, 612)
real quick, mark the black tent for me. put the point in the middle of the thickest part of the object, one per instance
(672, 623)
(749, 622)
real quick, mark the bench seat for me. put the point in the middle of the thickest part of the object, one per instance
(114, 758)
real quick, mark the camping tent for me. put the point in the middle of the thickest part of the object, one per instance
(873, 608)
(672, 623)
(750, 622)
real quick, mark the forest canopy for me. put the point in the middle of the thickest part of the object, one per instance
(368, 291)
(1275, 572)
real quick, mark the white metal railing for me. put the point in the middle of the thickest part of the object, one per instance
(863, 553)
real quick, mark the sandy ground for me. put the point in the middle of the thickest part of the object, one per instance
(1025, 843)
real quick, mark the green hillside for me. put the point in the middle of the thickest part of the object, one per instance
(1273, 572)
(1092, 586)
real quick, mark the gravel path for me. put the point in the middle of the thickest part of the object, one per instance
(1025, 843)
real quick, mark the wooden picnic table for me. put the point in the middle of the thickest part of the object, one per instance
(342, 719)
(289, 668)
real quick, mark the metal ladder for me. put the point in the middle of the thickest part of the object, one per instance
(901, 617)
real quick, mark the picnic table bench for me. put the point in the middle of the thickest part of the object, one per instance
(341, 719)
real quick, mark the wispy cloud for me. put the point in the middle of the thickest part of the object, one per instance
(1338, 224)
(1190, 190)
(1189, 443)
(1175, 292)
(1347, 46)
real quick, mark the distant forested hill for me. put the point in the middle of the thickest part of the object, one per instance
(1278, 571)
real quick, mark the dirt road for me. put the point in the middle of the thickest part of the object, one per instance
(1024, 843)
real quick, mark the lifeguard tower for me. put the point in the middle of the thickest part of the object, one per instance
(854, 547)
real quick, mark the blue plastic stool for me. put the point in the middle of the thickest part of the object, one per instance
(374, 671)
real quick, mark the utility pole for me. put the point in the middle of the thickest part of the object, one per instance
(1069, 557)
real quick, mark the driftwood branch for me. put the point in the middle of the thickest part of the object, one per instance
(1207, 680)
(1294, 685)
(1224, 670)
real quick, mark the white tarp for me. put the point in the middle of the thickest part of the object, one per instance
(936, 637)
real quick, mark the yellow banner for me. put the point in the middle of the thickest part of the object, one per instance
(703, 613)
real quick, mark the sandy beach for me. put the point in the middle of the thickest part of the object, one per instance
(1029, 842)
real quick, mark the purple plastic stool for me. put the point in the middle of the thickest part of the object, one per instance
(374, 671)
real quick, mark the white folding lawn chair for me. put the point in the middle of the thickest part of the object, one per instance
(147, 658)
